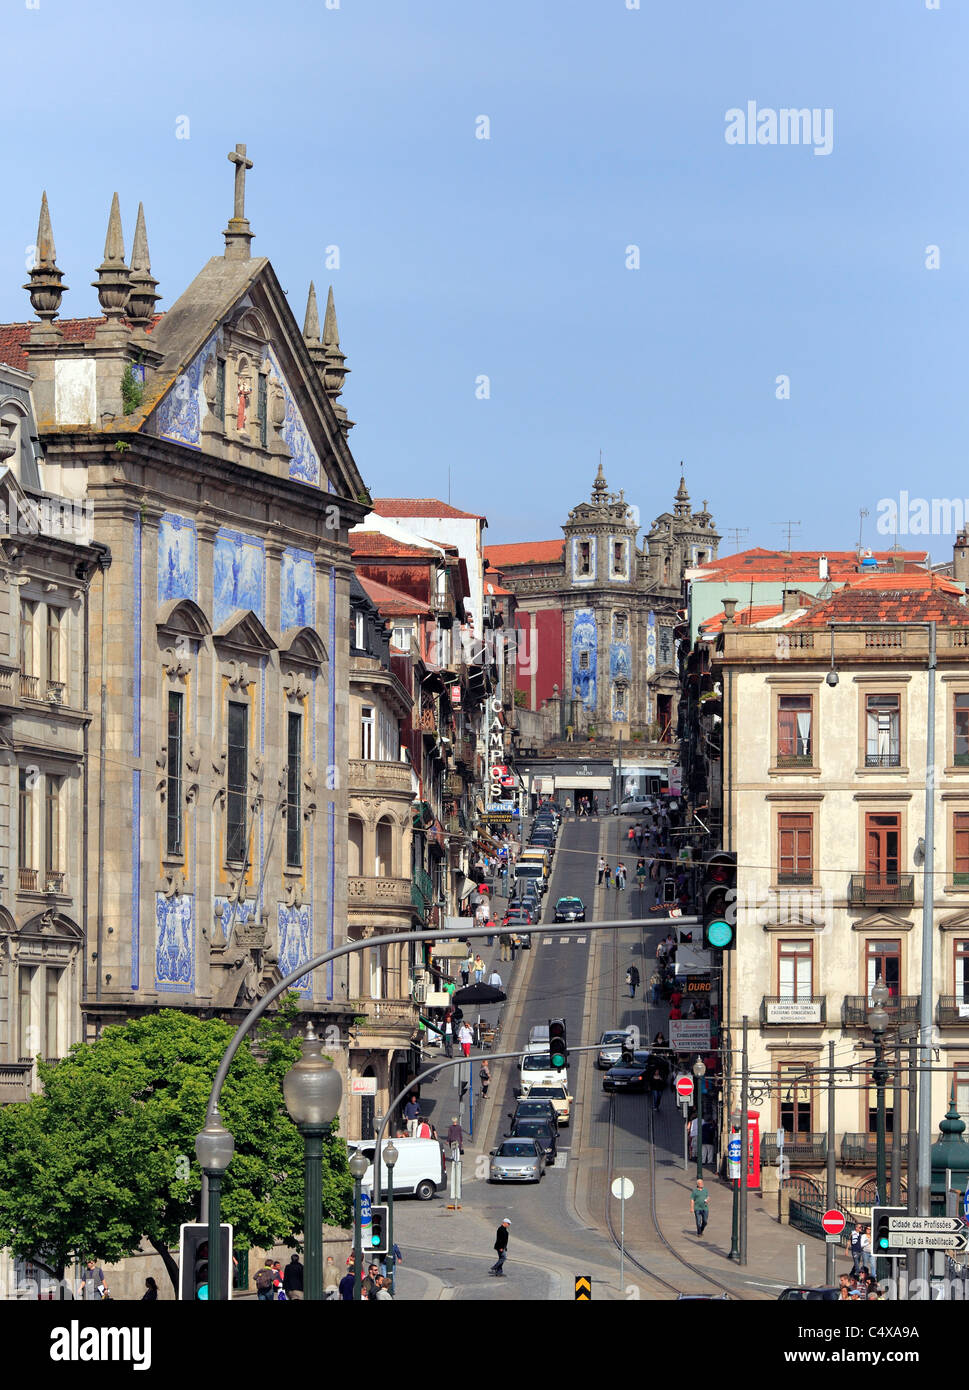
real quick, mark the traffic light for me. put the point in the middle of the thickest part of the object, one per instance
(193, 1262)
(556, 1043)
(881, 1237)
(719, 902)
(378, 1230)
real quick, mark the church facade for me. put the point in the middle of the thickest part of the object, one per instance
(597, 612)
(210, 446)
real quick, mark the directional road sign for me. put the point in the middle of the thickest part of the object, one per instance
(938, 1224)
(931, 1240)
(834, 1222)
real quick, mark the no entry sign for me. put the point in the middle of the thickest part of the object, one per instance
(834, 1222)
(684, 1087)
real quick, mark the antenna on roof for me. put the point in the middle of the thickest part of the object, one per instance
(792, 526)
(862, 513)
(449, 485)
(736, 532)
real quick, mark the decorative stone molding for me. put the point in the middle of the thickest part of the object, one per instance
(296, 685)
(175, 668)
(238, 675)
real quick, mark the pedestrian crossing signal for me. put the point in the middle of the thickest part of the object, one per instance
(583, 1288)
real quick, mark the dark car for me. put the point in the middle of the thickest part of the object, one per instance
(545, 1132)
(570, 910)
(528, 1109)
(628, 1076)
(823, 1294)
(518, 916)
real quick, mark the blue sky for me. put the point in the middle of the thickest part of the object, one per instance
(505, 258)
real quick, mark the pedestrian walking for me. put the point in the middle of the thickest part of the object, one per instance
(467, 965)
(151, 1291)
(595, 806)
(700, 1206)
(346, 1285)
(602, 868)
(657, 1080)
(412, 1113)
(264, 1283)
(484, 1075)
(293, 1280)
(620, 876)
(632, 980)
(516, 941)
(867, 1257)
(569, 733)
(501, 1245)
(465, 1038)
(92, 1281)
(448, 1035)
(504, 946)
(706, 1139)
(568, 808)
(854, 1247)
(479, 967)
(331, 1280)
(494, 979)
(655, 985)
(455, 1134)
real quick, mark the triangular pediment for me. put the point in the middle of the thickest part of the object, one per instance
(955, 921)
(238, 380)
(182, 617)
(305, 647)
(882, 921)
(52, 924)
(243, 632)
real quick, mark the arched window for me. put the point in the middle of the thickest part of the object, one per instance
(384, 862)
(355, 847)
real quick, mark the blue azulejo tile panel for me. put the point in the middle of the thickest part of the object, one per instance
(584, 655)
(180, 414)
(175, 943)
(298, 597)
(304, 462)
(295, 925)
(229, 915)
(239, 575)
(177, 558)
(620, 661)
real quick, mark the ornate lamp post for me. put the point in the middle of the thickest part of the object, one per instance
(699, 1071)
(735, 1119)
(214, 1148)
(313, 1091)
(358, 1166)
(391, 1155)
(878, 1023)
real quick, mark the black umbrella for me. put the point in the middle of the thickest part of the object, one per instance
(478, 994)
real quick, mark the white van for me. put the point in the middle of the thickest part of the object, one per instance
(536, 1070)
(538, 1034)
(531, 871)
(418, 1172)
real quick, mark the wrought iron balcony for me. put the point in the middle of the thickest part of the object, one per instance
(798, 1148)
(861, 1149)
(902, 1010)
(952, 1011)
(27, 880)
(865, 889)
(795, 760)
(29, 686)
(883, 760)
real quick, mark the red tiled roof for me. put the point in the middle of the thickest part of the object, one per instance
(867, 602)
(420, 506)
(491, 588)
(387, 547)
(14, 337)
(774, 565)
(390, 600)
(743, 617)
(524, 553)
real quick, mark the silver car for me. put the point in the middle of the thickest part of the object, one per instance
(611, 1045)
(517, 1160)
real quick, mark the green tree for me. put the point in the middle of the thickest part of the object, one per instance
(104, 1156)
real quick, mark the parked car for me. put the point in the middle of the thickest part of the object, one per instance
(533, 1109)
(570, 910)
(558, 1095)
(631, 1076)
(517, 916)
(610, 1047)
(634, 806)
(517, 1160)
(545, 1132)
(824, 1293)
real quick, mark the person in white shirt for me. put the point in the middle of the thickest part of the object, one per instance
(495, 979)
(465, 1038)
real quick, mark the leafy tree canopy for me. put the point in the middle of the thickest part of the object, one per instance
(104, 1156)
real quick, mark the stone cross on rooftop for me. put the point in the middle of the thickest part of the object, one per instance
(238, 158)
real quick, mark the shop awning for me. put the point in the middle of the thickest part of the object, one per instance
(582, 784)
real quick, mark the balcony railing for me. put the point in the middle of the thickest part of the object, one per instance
(369, 773)
(798, 1148)
(883, 760)
(422, 890)
(55, 692)
(864, 889)
(776, 1011)
(383, 1014)
(15, 1079)
(53, 881)
(364, 892)
(8, 684)
(861, 1148)
(902, 1010)
(795, 760)
(29, 687)
(27, 880)
(952, 1011)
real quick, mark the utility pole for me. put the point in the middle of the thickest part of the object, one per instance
(912, 1157)
(745, 1153)
(897, 1125)
(830, 1250)
(928, 943)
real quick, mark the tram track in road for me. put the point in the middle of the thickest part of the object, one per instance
(639, 1261)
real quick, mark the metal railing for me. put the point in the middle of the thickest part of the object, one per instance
(798, 1148)
(902, 1010)
(27, 880)
(881, 888)
(952, 1011)
(29, 686)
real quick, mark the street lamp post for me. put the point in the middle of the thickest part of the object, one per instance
(735, 1203)
(214, 1148)
(358, 1166)
(878, 1023)
(699, 1071)
(391, 1155)
(313, 1091)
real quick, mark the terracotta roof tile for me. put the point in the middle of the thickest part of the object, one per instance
(14, 337)
(743, 617)
(420, 506)
(375, 543)
(392, 601)
(524, 553)
(774, 566)
(871, 603)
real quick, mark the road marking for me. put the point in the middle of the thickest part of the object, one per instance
(546, 941)
(580, 940)
(563, 940)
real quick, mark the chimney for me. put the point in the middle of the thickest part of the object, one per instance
(898, 564)
(822, 567)
(729, 605)
(789, 600)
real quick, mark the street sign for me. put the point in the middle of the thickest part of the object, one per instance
(684, 1086)
(930, 1240)
(583, 1288)
(735, 1155)
(622, 1188)
(834, 1222)
(965, 1203)
(365, 1209)
(937, 1224)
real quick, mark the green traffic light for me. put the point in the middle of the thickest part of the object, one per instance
(558, 1061)
(720, 934)
(883, 1242)
(374, 1240)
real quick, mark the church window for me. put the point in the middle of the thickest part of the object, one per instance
(584, 557)
(173, 793)
(665, 647)
(583, 661)
(701, 557)
(618, 557)
(619, 626)
(619, 701)
(294, 750)
(261, 410)
(237, 772)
